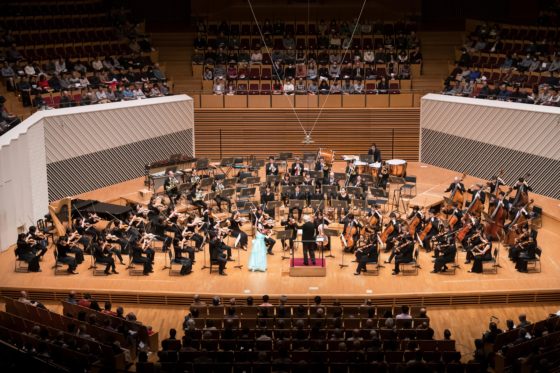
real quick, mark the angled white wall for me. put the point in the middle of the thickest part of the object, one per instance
(58, 153)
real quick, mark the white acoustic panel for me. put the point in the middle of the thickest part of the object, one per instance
(482, 137)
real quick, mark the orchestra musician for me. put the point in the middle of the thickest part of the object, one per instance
(86, 225)
(477, 201)
(285, 194)
(268, 196)
(73, 239)
(359, 183)
(351, 172)
(307, 180)
(383, 178)
(321, 222)
(235, 222)
(39, 239)
(217, 248)
(196, 197)
(102, 254)
(373, 150)
(397, 241)
(447, 251)
(519, 214)
(180, 247)
(472, 226)
(434, 223)
(271, 167)
(308, 236)
(218, 188)
(321, 165)
(297, 167)
(300, 196)
(396, 230)
(317, 194)
(366, 254)
(455, 217)
(27, 252)
(143, 247)
(418, 215)
(289, 224)
(479, 253)
(171, 186)
(193, 227)
(351, 232)
(63, 251)
(343, 196)
(456, 186)
(522, 189)
(526, 248)
(494, 184)
(378, 215)
(405, 252)
(527, 239)
(265, 225)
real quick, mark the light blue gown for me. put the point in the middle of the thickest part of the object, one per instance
(257, 260)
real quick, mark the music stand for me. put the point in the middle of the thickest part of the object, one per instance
(296, 179)
(273, 205)
(206, 182)
(296, 203)
(306, 188)
(367, 178)
(316, 174)
(247, 193)
(369, 158)
(317, 204)
(228, 183)
(335, 203)
(253, 180)
(330, 233)
(355, 191)
(209, 196)
(339, 176)
(288, 189)
(245, 175)
(397, 180)
(360, 203)
(329, 189)
(272, 180)
(226, 162)
(228, 192)
(284, 235)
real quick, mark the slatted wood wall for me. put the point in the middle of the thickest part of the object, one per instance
(264, 132)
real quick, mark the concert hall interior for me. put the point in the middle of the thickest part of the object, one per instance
(252, 186)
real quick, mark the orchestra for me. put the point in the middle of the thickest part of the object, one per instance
(186, 222)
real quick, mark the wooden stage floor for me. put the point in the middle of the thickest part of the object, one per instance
(440, 288)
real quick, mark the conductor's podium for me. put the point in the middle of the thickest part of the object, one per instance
(298, 269)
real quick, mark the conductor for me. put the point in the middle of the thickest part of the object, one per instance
(308, 236)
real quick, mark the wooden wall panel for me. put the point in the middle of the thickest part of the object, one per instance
(262, 132)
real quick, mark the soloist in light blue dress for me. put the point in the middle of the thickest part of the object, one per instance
(257, 260)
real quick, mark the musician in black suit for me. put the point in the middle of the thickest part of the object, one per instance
(63, 251)
(481, 253)
(395, 232)
(25, 252)
(405, 255)
(268, 196)
(217, 254)
(368, 254)
(447, 252)
(180, 247)
(351, 222)
(434, 230)
(41, 242)
(308, 235)
(522, 189)
(297, 167)
(477, 194)
(527, 248)
(456, 185)
(140, 248)
(196, 197)
(171, 186)
(218, 187)
(351, 172)
(102, 254)
(373, 150)
(321, 165)
(300, 196)
(271, 167)
(526, 240)
(289, 224)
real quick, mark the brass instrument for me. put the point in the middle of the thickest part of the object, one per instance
(195, 179)
(173, 183)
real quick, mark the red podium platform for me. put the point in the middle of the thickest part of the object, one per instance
(298, 269)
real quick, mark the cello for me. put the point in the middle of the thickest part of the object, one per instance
(349, 234)
(466, 227)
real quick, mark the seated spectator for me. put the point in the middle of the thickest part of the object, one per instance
(208, 74)
(312, 88)
(230, 90)
(347, 88)
(219, 87)
(300, 87)
(324, 87)
(39, 102)
(335, 88)
(8, 75)
(289, 88)
(493, 331)
(256, 57)
(277, 87)
(405, 313)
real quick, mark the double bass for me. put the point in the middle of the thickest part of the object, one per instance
(456, 194)
(497, 220)
(514, 231)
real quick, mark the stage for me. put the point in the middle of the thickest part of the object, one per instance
(507, 286)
